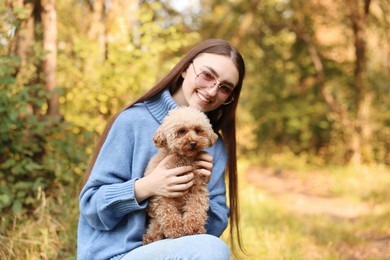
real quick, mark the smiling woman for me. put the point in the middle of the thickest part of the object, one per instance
(204, 91)
(116, 193)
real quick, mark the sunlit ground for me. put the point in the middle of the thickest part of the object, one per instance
(286, 214)
(283, 219)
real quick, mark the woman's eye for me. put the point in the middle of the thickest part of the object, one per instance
(225, 90)
(207, 76)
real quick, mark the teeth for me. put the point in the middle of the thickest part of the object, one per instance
(203, 98)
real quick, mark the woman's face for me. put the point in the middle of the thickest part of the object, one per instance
(208, 82)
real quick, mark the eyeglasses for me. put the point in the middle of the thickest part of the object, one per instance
(207, 79)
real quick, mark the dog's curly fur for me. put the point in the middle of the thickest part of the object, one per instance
(184, 132)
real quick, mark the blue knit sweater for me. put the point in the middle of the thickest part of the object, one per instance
(112, 222)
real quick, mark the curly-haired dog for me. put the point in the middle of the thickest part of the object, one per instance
(184, 133)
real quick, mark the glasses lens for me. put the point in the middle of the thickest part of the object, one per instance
(225, 90)
(205, 79)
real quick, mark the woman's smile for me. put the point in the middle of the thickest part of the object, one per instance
(203, 97)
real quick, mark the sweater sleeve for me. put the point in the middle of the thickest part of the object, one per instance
(109, 192)
(218, 211)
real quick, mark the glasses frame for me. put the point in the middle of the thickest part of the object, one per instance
(217, 83)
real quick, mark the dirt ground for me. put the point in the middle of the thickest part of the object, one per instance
(312, 197)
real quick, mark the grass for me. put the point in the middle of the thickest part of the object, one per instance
(50, 233)
(272, 232)
(269, 230)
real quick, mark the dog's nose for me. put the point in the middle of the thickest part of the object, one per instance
(193, 144)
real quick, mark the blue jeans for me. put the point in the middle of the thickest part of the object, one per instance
(200, 247)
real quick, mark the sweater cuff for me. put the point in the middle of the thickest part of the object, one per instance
(120, 198)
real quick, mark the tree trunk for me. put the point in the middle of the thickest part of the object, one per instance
(355, 124)
(96, 28)
(49, 21)
(23, 44)
(360, 140)
(245, 23)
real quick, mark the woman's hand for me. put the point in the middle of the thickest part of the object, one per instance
(164, 182)
(204, 165)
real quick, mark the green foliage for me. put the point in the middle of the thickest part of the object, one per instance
(94, 81)
(283, 105)
(36, 150)
(18, 145)
(99, 78)
(284, 114)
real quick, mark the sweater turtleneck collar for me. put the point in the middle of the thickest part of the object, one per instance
(160, 104)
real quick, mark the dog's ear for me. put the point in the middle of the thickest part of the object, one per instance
(159, 139)
(213, 138)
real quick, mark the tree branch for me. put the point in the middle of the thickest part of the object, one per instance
(246, 22)
(320, 73)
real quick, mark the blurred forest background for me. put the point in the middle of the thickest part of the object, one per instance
(315, 106)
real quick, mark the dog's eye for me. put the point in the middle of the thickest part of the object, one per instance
(198, 130)
(181, 131)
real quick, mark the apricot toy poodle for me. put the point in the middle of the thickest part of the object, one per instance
(184, 133)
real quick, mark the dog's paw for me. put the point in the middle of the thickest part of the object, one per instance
(147, 239)
(173, 227)
(193, 225)
(174, 231)
(150, 237)
(194, 230)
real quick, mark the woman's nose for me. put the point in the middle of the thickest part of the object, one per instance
(212, 90)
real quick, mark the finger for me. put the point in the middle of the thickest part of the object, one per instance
(204, 156)
(204, 165)
(204, 172)
(165, 160)
(185, 178)
(175, 194)
(180, 170)
(204, 176)
(181, 187)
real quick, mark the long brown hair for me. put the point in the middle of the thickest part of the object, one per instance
(223, 118)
